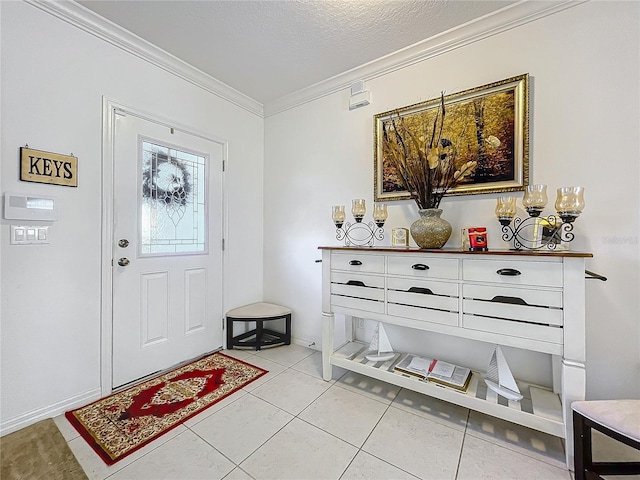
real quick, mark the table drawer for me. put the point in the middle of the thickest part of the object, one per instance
(527, 305)
(357, 262)
(510, 272)
(360, 292)
(423, 266)
(358, 286)
(421, 293)
(531, 331)
(423, 314)
(358, 303)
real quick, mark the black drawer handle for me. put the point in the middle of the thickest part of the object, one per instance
(356, 283)
(420, 266)
(422, 290)
(509, 300)
(355, 262)
(509, 272)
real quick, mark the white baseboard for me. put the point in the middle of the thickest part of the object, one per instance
(50, 411)
(305, 343)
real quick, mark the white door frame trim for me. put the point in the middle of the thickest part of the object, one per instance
(109, 109)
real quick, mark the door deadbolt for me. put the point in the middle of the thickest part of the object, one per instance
(123, 243)
(123, 262)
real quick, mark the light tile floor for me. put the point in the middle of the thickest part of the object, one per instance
(291, 424)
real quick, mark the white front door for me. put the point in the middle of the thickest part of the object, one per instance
(167, 247)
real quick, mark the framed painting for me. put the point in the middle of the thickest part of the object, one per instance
(489, 124)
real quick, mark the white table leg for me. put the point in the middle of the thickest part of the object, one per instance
(573, 389)
(328, 326)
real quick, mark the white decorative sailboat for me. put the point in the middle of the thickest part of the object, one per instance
(499, 377)
(382, 350)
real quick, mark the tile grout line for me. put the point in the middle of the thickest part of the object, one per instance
(237, 465)
(464, 437)
(281, 409)
(368, 436)
(297, 416)
(358, 449)
(250, 392)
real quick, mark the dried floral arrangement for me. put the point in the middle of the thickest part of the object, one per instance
(424, 160)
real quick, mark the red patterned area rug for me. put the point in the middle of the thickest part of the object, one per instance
(120, 424)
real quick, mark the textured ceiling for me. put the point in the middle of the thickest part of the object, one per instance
(268, 49)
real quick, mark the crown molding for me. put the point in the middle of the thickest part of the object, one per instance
(507, 18)
(83, 18)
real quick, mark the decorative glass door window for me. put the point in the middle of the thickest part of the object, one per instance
(172, 210)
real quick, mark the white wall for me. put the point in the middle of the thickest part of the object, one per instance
(53, 78)
(584, 66)
(584, 111)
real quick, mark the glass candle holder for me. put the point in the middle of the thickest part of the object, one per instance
(380, 214)
(535, 199)
(338, 215)
(505, 209)
(358, 209)
(569, 203)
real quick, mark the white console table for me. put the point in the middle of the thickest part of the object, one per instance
(528, 300)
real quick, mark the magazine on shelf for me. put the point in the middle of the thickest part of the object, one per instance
(415, 366)
(437, 371)
(450, 375)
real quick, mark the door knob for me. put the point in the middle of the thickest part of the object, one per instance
(123, 243)
(123, 262)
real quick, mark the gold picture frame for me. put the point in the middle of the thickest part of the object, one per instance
(494, 116)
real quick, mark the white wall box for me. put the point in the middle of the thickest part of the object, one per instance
(30, 207)
(527, 300)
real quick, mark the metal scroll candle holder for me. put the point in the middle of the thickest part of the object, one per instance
(360, 234)
(537, 232)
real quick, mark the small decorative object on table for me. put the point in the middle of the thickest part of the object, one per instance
(426, 165)
(536, 232)
(360, 234)
(399, 237)
(477, 239)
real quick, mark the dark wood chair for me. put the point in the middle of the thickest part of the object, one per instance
(260, 336)
(617, 419)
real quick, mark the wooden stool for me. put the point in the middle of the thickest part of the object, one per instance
(259, 313)
(618, 419)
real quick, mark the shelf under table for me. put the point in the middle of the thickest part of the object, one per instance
(540, 408)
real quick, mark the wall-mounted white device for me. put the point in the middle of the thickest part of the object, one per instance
(29, 207)
(359, 96)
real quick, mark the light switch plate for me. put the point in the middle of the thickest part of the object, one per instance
(29, 235)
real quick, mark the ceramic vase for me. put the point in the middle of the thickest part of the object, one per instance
(430, 231)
